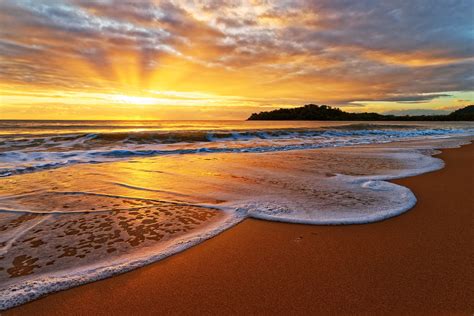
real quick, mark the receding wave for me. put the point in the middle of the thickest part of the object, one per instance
(68, 227)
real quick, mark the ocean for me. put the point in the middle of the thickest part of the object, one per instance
(84, 200)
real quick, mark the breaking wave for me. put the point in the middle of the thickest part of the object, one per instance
(21, 154)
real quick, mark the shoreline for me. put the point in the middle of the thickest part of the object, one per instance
(252, 267)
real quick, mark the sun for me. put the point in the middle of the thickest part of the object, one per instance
(128, 99)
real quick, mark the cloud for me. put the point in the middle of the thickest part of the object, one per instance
(412, 98)
(417, 112)
(332, 51)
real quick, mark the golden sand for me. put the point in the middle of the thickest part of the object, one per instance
(419, 263)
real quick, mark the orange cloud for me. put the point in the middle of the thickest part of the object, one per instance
(238, 56)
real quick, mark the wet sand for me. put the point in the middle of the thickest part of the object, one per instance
(418, 263)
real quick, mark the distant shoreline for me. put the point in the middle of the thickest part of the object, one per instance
(313, 112)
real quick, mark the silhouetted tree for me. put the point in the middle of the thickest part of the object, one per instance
(313, 112)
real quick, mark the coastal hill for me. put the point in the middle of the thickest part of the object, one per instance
(313, 112)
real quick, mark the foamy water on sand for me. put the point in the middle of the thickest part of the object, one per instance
(67, 218)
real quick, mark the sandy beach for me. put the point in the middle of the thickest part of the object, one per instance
(236, 157)
(417, 263)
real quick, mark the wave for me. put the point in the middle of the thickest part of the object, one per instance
(11, 142)
(23, 155)
(358, 126)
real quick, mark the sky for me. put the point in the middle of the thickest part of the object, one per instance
(103, 59)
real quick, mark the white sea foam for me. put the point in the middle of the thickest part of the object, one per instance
(9, 238)
(31, 288)
(398, 200)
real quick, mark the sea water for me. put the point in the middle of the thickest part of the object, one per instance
(84, 200)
